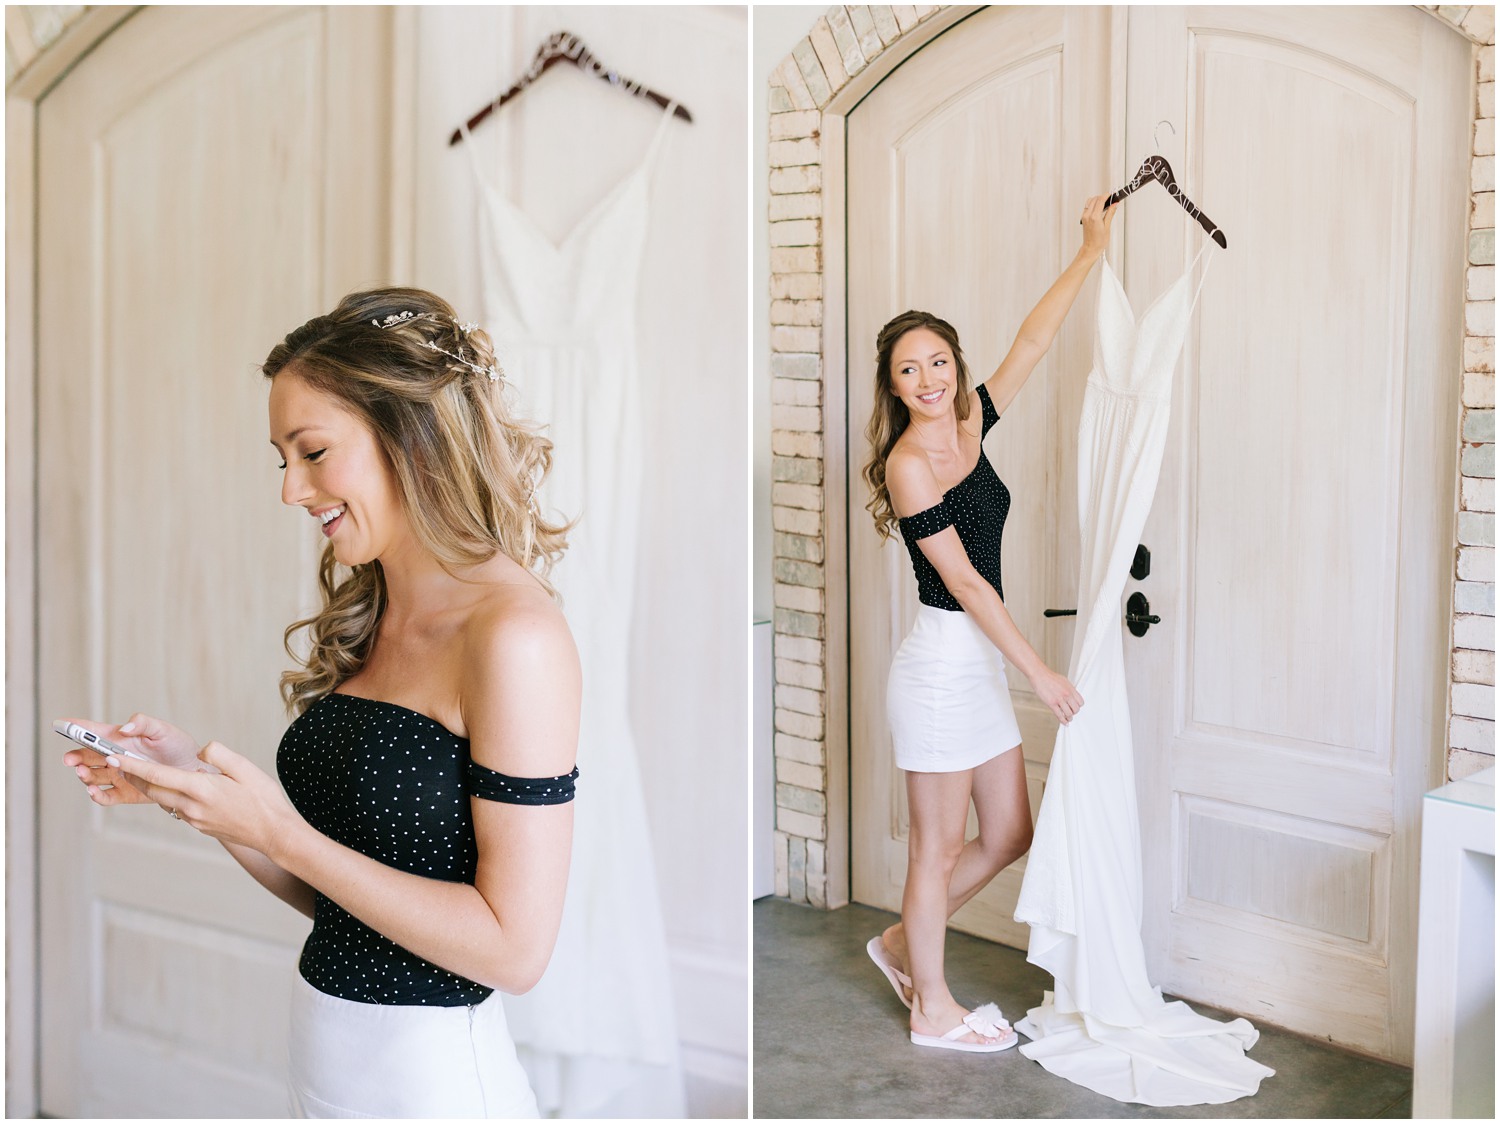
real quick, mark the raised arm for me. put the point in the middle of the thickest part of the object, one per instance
(1040, 327)
(520, 700)
(913, 489)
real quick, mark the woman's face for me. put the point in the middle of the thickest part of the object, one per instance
(923, 373)
(333, 467)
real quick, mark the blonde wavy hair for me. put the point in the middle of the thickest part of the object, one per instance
(466, 470)
(890, 416)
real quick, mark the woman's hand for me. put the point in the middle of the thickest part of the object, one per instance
(239, 804)
(150, 737)
(1059, 696)
(1096, 221)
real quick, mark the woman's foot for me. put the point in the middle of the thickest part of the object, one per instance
(936, 1024)
(891, 969)
(894, 942)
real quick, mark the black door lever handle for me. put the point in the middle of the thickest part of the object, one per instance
(1138, 614)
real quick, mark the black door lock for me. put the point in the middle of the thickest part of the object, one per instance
(1140, 568)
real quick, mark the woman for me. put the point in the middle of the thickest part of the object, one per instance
(952, 724)
(430, 765)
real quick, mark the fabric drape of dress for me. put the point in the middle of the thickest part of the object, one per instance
(598, 1034)
(1104, 1025)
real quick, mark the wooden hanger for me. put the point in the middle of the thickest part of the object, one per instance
(1156, 168)
(562, 46)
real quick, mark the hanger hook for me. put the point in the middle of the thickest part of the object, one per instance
(1156, 130)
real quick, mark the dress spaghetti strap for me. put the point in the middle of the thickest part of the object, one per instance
(646, 162)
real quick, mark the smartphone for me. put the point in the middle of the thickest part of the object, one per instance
(90, 740)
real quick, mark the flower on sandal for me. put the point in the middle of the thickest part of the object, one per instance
(987, 1021)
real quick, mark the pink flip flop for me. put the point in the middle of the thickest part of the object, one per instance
(898, 979)
(985, 1021)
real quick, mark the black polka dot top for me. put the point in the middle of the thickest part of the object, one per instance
(395, 785)
(976, 507)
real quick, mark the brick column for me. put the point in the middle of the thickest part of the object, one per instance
(1471, 669)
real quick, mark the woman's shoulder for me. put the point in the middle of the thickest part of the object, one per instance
(521, 683)
(910, 479)
(516, 621)
(906, 456)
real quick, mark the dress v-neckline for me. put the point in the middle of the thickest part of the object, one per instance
(1137, 321)
(590, 217)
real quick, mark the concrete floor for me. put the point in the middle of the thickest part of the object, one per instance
(830, 1040)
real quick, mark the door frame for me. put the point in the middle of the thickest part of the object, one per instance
(22, 107)
(22, 878)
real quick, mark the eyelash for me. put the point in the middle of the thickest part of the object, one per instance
(313, 457)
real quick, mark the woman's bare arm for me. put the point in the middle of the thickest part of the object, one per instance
(914, 488)
(288, 887)
(1041, 325)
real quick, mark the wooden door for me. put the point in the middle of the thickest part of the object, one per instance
(1288, 711)
(208, 179)
(968, 168)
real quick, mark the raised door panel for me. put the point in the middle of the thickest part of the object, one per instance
(194, 208)
(1298, 429)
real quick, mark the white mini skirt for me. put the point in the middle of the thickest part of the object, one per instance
(946, 699)
(351, 1060)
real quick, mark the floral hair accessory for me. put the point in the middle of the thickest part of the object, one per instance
(396, 319)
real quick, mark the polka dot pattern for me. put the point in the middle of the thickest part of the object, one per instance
(389, 783)
(976, 507)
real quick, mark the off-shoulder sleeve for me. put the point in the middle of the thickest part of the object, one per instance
(490, 785)
(926, 523)
(987, 410)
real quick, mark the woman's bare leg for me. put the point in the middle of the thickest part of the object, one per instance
(939, 806)
(1000, 799)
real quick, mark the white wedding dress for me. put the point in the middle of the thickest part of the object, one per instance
(598, 1035)
(1104, 1025)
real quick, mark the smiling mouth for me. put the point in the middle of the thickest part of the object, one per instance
(331, 519)
(935, 396)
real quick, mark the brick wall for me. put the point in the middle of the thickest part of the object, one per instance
(839, 46)
(1471, 682)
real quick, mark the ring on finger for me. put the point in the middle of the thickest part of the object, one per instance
(173, 813)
